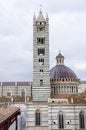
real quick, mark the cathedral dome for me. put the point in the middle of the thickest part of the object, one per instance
(60, 70)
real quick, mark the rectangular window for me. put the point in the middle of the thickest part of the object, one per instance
(41, 82)
(40, 40)
(41, 51)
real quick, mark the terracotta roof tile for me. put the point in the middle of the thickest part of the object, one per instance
(6, 112)
(77, 98)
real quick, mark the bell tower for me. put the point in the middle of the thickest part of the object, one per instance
(41, 79)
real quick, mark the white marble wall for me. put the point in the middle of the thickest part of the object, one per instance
(71, 116)
(15, 90)
(31, 109)
(82, 87)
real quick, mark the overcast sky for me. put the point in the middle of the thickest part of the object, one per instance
(67, 29)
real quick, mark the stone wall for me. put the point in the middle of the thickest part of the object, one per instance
(71, 116)
(9, 89)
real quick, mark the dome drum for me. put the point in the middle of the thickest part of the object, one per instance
(63, 79)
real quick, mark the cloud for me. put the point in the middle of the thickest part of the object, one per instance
(80, 66)
(67, 29)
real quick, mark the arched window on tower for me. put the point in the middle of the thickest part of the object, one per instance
(81, 120)
(61, 120)
(40, 40)
(41, 51)
(37, 118)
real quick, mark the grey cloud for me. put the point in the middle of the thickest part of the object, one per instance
(67, 32)
(67, 5)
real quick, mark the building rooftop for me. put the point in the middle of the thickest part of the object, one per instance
(83, 81)
(22, 83)
(6, 112)
(77, 98)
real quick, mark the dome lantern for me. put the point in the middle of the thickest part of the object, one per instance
(60, 58)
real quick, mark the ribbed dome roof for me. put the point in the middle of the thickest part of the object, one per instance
(62, 71)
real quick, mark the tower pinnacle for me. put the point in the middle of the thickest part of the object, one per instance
(34, 16)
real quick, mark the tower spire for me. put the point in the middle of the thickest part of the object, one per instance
(40, 17)
(34, 16)
(47, 17)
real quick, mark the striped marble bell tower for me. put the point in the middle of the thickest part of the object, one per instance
(41, 79)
